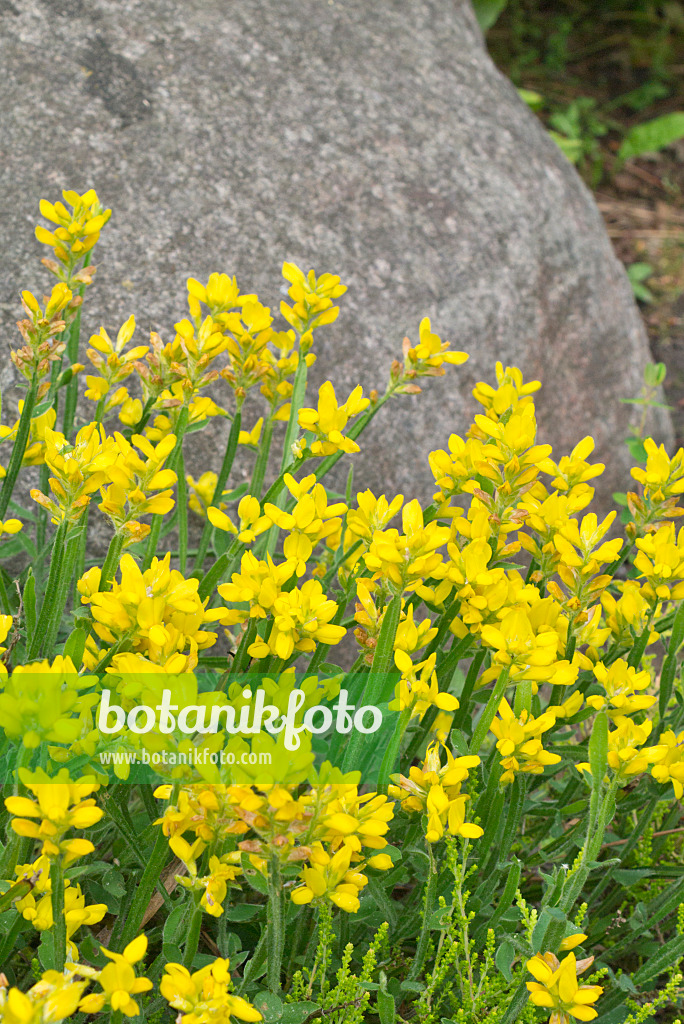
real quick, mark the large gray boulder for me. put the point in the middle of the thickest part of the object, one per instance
(374, 140)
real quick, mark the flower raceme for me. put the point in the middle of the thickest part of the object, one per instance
(118, 981)
(157, 611)
(76, 232)
(519, 741)
(79, 470)
(328, 421)
(435, 790)
(59, 807)
(138, 484)
(205, 997)
(405, 559)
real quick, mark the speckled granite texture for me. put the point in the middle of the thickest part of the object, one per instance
(372, 139)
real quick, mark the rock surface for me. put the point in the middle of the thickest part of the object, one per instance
(373, 140)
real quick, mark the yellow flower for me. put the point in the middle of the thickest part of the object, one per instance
(42, 701)
(252, 522)
(36, 906)
(138, 484)
(662, 480)
(78, 471)
(518, 740)
(301, 618)
(158, 610)
(54, 998)
(220, 294)
(528, 643)
(411, 635)
(331, 877)
(405, 560)
(113, 363)
(555, 987)
(670, 762)
(222, 871)
(311, 520)
(435, 790)
(426, 359)
(202, 492)
(204, 997)
(510, 394)
(312, 300)
(118, 981)
(43, 333)
(372, 514)
(628, 614)
(76, 232)
(252, 436)
(11, 526)
(573, 470)
(417, 689)
(660, 561)
(258, 584)
(59, 807)
(35, 449)
(329, 420)
(620, 682)
(627, 753)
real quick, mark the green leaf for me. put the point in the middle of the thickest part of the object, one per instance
(669, 954)
(636, 449)
(652, 136)
(175, 928)
(29, 599)
(75, 646)
(534, 100)
(487, 12)
(387, 1010)
(269, 1006)
(504, 958)
(297, 1013)
(15, 892)
(242, 912)
(630, 876)
(571, 148)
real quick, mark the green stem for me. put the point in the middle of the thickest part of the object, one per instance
(261, 464)
(41, 524)
(242, 658)
(468, 687)
(489, 713)
(172, 463)
(214, 576)
(192, 941)
(382, 661)
(392, 751)
(62, 594)
(19, 447)
(51, 591)
(58, 918)
(111, 562)
(639, 829)
(421, 949)
(182, 515)
(80, 556)
(72, 355)
(276, 935)
(221, 482)
(146, 887)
